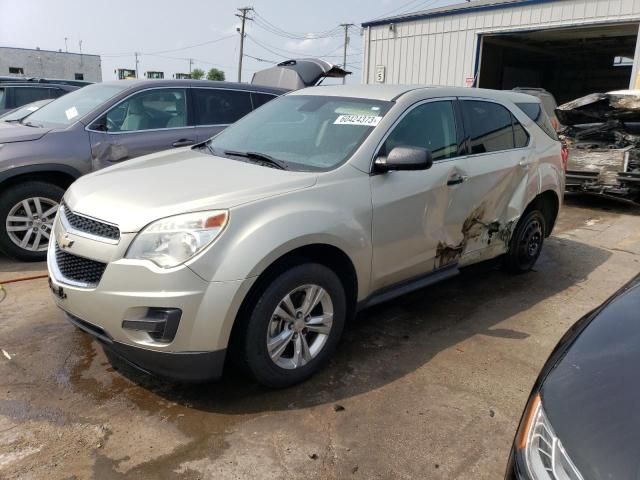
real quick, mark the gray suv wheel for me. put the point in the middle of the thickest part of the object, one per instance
(27, 212)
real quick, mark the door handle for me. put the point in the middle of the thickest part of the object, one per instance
(456, 180)
(524, 162)
(183, 142)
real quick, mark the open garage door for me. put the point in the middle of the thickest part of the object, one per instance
(568, 62)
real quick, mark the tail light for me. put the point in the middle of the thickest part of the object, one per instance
(564, 153)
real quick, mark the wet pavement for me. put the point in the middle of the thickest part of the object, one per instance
(431, 385)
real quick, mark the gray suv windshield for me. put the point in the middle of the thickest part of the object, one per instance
(305, 132)
(71, 107)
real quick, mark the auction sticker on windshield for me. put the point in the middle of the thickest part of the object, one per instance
(364, 120)
(71, 113)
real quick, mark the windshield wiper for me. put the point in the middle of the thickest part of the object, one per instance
(31, 124)
(261, 157)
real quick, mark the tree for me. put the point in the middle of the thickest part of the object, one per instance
(197, 74)
(215, 74)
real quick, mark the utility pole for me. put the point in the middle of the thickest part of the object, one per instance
(66, 48)
(346, 44)
(190, 65)
(136, 54)
(243, 16)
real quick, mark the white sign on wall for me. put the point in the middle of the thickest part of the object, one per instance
(380, 73)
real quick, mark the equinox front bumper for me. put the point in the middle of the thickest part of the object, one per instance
(130, 293)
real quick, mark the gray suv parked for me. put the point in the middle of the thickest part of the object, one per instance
(97, 126)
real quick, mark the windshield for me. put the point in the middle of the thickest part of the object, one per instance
(71, 107)
(303, 132)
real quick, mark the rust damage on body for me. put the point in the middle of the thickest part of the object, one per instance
(473, 228)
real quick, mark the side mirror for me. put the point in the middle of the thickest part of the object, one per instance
(405, 158)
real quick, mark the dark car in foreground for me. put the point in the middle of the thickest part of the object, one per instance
(581, 421)
(97, 126)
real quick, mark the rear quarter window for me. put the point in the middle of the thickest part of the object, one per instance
(535, 112)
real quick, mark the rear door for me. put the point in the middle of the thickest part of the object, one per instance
(498, 165)
(217, 108)
(146, 122)
(418, 215)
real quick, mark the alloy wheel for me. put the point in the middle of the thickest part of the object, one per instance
(300, 326)
(30, 222)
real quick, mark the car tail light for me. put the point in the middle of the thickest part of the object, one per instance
(565, 157)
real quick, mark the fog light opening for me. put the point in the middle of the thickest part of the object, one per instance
(160, 323)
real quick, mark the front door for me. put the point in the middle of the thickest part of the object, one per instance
(418, 215)
(147, 122)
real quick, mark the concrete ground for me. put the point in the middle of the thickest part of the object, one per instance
(431, 385)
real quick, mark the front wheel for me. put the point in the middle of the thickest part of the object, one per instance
(294, 326)
(526, 243)
(27, 211)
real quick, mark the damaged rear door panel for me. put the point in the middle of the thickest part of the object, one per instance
(502, 176)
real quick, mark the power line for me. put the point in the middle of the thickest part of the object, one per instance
(286, 54)
(271, 28)
(209, 42)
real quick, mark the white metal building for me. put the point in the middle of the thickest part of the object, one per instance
(569, 47)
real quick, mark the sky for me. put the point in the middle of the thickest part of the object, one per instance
(168, 33)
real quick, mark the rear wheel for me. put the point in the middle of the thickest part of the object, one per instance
(526, 242)
(294, 326)
(27, 211)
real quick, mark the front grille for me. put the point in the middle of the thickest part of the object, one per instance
(89, 225)
(79, 269)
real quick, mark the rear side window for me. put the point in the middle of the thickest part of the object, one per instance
(24, 95)
(520, 135)
(535, 112)
(220, 107)
(488, 125)
(431, 125)
(260, 99)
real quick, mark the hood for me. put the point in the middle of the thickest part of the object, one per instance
(297, 74)
(11, 132)
(623, 105)
(137, 192)
(591, 394)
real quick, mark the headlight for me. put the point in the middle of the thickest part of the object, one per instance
(172, 241)
(544, 455)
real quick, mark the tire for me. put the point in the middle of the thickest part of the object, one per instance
(526, 243)
(261, 324)
(39, 195)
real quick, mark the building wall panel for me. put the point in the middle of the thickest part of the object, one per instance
(441, 50)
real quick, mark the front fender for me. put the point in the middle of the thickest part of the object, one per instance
(336, 214)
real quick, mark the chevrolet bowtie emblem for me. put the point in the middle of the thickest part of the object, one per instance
(64, 242)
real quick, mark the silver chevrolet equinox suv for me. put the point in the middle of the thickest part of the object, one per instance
(257, 245)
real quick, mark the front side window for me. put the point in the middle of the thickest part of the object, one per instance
(70, 108)
(3, 98)
(431, 126)
(488, 126)
(307, 132)
(220, 107)
(149, 110)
